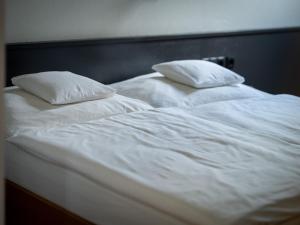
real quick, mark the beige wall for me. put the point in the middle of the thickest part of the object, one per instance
(42, 20)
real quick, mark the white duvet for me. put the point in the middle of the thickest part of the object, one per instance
(232, 162)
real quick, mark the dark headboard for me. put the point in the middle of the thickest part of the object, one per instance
(268, 59)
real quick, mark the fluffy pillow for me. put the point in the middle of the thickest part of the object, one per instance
(57, 87)
(198, 73)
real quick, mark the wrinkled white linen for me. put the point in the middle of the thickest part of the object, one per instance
(231, 162)
(24, 110)
(159, 91)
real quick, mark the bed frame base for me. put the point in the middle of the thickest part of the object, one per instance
(26, 208)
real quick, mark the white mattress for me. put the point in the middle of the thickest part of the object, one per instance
(76, 193)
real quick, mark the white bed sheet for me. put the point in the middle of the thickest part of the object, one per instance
(232, 162)
(78, 194)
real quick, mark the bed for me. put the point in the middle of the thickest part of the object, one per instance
(166, 153)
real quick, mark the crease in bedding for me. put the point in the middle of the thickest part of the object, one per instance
(233, 162)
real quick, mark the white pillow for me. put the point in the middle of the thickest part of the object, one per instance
(198, 73)
(57, 87)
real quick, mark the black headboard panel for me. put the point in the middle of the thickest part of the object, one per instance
(268, 59)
